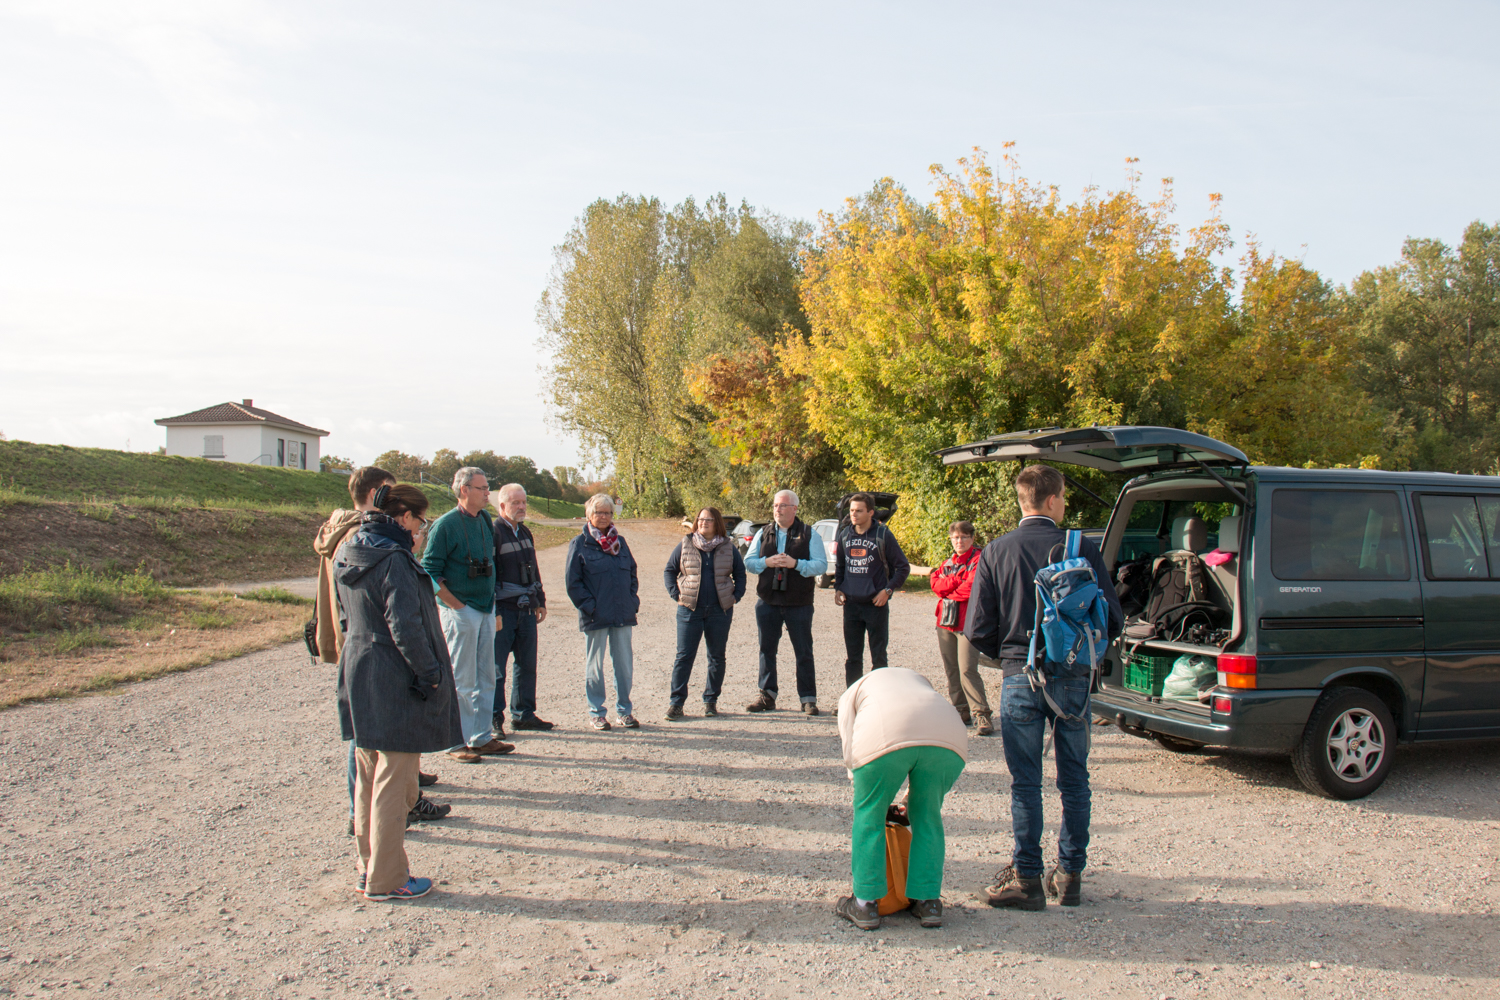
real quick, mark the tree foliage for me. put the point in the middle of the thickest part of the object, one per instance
(500, 469)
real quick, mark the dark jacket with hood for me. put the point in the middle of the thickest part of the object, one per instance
(602, 587)
(396, 690)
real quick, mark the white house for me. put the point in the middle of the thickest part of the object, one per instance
(241, 432)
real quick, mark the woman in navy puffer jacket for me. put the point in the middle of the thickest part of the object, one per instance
(602, 584)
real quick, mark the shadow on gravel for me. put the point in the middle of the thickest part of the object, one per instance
(697, 808)
(814, 774)
(1358, 935)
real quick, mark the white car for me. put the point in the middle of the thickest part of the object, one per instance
(828, 530)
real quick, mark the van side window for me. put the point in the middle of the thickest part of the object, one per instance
(1337, 535)
(1455, 547)
(1489, 516)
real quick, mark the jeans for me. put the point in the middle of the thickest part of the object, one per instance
(859, 619)
(769, 618)
(516, 639)
(1023, 721)
(617, 641)
(931, 771)
(471, 642)
(711, 622)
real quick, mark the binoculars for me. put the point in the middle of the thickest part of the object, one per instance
(479, 567)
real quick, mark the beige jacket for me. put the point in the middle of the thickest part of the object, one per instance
(326, 603)
(891, 708)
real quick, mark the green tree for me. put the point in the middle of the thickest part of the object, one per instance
(1429, 329)
(406, 468)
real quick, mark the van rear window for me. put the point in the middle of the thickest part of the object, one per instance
(1337, 535)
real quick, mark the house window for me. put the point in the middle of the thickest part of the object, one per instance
(280, 452)
(213, 446)
(304, 455)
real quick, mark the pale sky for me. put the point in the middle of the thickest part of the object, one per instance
(346, 211)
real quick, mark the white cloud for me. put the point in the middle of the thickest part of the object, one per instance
(191, 49)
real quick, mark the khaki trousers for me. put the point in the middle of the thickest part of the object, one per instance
(385, 789)
(961, 664)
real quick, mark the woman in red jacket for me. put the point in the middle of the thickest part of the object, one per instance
(951, 582)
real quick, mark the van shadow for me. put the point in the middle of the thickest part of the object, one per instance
(690, 810)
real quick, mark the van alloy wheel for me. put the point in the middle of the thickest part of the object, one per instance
(1356, 745)
(1345, 751)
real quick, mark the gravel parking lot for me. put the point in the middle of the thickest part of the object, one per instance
(184, 837)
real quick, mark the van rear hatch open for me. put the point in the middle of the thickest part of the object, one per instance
(1113, 449)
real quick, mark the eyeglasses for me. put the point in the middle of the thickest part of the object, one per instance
(782, 506)
(705, 520)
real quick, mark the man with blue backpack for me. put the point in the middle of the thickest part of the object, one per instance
(1042, 610)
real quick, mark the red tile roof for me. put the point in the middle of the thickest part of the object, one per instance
(237, 413)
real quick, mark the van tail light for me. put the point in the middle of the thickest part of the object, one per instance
(1236, 670)
(1223, 704)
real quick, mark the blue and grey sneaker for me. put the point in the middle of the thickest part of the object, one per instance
(413, 888)
(360, 887)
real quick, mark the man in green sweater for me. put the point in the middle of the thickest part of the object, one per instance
(459, 558)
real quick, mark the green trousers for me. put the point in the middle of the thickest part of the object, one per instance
(932, 771)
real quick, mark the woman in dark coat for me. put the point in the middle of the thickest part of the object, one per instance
(603, 586)
(705, 575)
(396, 694)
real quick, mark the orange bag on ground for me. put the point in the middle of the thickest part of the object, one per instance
(897, 857)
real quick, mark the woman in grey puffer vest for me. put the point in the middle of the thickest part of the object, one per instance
(706, 577)
(396, 693)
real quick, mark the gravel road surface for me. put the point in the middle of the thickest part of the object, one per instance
(184, 837)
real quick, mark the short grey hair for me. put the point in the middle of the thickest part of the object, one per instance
(787, 493)
(463, 477)
(508, 489)
(595, 500)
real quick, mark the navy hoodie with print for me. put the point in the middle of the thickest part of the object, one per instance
(859, 572)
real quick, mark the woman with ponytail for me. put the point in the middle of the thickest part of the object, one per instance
(396, 694)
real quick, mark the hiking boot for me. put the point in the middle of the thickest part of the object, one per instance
(1016, 891)
(529, 722)
(866, 917)
(963, 713)
(426, 809)
(497, 722)
(928, 911)
(599, 722)
(424, 779)
(710, 709)
(765, 703)
(493, 748)
(1065, 887)
(629, 722)
(810, 708)
(674, 713)
(983, 725)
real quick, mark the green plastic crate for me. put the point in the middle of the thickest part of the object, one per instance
(1146, 673)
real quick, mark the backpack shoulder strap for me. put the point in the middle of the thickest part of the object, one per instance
(1075, 543)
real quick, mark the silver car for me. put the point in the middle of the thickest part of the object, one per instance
(827, 529)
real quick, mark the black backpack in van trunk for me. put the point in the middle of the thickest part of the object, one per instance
(1178, 594)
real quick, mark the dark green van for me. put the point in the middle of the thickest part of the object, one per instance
(1351, 609)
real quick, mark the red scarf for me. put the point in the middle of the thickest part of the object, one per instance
(609, 541)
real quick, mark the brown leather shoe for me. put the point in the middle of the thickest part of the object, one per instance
(465, 756)
(493, 748)
(963, 713)
(765, 703)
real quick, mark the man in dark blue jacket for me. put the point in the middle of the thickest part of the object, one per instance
(869, 567)
(1001, 617)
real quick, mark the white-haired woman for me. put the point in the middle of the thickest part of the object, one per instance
(602, 583)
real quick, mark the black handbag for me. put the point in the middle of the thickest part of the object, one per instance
(949, 617)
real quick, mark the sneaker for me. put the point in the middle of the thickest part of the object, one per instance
(424, 779)
(413, 888)
(1016, 891)
(984, 726)
(426, 809)
(629, 722)
(765, 703)
(674, 713)
(599, 722)
(1065, 887)
(866, 917)
(493, 748)
(351, 826)
(928, 911)
(497, 723)
(360, 886)
(530, 722)
(710, 709)
(465, 756)
(810, 708)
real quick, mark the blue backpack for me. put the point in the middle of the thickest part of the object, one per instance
(1072, 618)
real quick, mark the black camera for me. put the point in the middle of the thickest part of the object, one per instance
(479, 567)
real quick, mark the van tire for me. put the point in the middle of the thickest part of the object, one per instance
(1345, 715)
